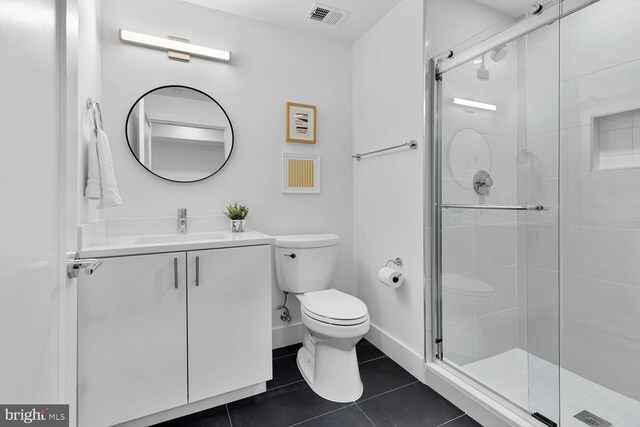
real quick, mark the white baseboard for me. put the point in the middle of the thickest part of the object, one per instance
(397, 351)
(485, 409)
(286, 335)
(198, 406)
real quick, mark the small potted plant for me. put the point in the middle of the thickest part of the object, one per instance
(237, 214)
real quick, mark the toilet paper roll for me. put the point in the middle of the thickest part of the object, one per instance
(390, 277)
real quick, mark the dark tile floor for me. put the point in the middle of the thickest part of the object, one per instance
(392, 397)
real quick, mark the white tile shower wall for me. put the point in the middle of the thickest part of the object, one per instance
(270, 66)
(388, 86)
(601, 209)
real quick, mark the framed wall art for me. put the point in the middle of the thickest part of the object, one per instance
(301, 123)
(300, 173)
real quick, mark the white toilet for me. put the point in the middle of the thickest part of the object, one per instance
(333, 321)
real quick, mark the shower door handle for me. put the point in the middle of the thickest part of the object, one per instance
(535, 208)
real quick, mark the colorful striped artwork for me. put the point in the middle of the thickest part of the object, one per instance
(301, 173)
(301, 123)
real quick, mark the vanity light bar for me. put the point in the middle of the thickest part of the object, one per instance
(173, 45)
(474, 104)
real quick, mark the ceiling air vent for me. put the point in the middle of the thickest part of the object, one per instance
(327, 14)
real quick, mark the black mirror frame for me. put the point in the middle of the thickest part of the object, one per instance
(126, 133)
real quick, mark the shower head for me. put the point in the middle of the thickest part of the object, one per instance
(499, 53)
(482, 73)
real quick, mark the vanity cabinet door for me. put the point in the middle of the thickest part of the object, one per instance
(132, 347)
(229, 302)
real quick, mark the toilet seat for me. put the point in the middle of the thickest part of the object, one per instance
(334, 307)
(336, 322)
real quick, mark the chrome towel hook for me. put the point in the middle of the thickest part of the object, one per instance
(96, 113)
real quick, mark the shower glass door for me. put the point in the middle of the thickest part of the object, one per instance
(600, 215)
(497, 214)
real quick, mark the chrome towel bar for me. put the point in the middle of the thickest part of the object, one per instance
(75, 264)
(495, 207)
(413, 144)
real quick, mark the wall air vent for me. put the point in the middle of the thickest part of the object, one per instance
(327, 14)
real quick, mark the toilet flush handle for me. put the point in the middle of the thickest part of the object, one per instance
(292, 256)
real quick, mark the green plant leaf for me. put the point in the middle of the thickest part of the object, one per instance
(236, 211)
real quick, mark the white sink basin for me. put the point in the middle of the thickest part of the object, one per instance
(172, 238)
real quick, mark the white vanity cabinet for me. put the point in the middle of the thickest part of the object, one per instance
(229, 326)
(132, 343)
(156, 333)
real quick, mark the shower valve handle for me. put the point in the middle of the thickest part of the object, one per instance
(482, 182)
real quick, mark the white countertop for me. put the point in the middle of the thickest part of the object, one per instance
(159, 243)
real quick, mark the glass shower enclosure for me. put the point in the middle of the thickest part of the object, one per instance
(536, 212)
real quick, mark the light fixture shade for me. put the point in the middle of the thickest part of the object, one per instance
(173, 45)
(474, 104)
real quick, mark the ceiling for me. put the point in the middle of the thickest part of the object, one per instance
(292, 13)
(510, 7)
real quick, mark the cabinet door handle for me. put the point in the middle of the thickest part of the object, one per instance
(175, 273)
(197, 271)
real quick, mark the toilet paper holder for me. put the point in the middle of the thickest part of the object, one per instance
(398, 262)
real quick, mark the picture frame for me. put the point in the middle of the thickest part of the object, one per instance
(300, 173)
(301, 123)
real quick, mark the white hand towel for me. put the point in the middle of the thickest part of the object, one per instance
(93, 190)
(110, 193)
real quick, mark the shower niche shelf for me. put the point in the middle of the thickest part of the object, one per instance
(615, 141)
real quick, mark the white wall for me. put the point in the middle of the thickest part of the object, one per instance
(390, 189)
(30, 188)
(88, 86)
(82, 80)
(388, 203)
(270, 66)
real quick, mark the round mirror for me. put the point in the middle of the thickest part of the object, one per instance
(469, 152)
(179, 133)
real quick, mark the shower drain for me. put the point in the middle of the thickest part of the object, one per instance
(591, 419)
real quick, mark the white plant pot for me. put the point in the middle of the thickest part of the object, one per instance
(237, 225)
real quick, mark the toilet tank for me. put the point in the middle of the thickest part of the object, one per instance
(306, 262)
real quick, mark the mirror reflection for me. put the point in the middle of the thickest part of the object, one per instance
(179, 133)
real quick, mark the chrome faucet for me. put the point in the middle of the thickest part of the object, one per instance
(182, 221)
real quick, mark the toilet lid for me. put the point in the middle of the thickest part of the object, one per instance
(334, 305)
(307, 241)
